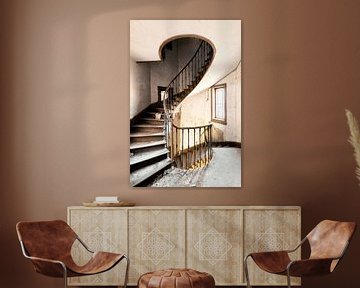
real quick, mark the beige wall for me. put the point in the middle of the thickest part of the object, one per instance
(195, 110)
(64, 113)
(186, 50)
(140, 96)
(163, 72)
(231, 131)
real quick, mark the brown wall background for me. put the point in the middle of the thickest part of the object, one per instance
(64, 113)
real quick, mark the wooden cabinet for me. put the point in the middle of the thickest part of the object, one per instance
(156, 240)
(101, 230)
(214, 243)
(211, 239)
(271, 229)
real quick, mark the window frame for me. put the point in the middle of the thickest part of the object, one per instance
(213, 104)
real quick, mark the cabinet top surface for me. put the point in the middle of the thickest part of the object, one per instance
(193, 207)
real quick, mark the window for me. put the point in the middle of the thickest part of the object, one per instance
(218, 103)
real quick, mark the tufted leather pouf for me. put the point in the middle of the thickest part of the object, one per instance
(176, 278)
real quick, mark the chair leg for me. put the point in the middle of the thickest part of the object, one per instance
(288, 278)
(246, 272)
(127, 271)
(65, 275)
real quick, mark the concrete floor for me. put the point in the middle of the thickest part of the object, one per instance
(224, 170)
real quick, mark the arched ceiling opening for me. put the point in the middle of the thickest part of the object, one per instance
(148, 36)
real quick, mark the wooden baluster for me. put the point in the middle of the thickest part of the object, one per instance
(170, 97)
(205, 144)
(189, 76)
(176, 142)
(192, 69)
(211, 141)
(194, 147)
(187, 153)
(182, 81)
(203, 54)
(198, 62)
(208, 144)
(182, 148)
(200, 152)
(171, 141)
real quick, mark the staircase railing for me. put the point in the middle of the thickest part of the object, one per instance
(188, 146)
(191, 147)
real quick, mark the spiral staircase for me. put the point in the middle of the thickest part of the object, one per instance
(156, 142)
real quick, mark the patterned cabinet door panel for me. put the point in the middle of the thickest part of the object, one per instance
(214, 244)
(270, 230)
(156, 240)
(101, 230)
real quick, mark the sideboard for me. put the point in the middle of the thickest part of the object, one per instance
(213, 239)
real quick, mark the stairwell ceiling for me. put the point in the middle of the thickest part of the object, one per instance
(147, 37)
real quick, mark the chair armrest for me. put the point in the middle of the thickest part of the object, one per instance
(309, 267)
(48, 267)
(83, 244)
(298, 246)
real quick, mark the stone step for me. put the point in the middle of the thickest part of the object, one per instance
(146, 128)
(157, 109)
(142, 145)
(151, 121)
(146, 156)
(154, 115)
(148, 172)
(146, 136)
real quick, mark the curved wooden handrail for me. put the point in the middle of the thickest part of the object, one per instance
(179, 87)
(187, 64)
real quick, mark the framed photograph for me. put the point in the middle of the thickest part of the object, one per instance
(185, 103)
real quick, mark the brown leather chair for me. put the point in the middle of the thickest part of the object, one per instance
(48, 245)
(328, 242)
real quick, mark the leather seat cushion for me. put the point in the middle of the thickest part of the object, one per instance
(176, 278)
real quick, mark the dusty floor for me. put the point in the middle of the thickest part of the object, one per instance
(224, 170)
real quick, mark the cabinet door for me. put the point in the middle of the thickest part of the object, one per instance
(156, 240)
(271, 230)
(214, 244)
(101, 230)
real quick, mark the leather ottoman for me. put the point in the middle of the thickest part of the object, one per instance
(176, 278)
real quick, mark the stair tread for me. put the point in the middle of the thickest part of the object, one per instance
(147, 126)
(139, 145)
(147, 134)
(158, 108)
(152, 119)
(153, 113)
(146, 172)
(141, 157)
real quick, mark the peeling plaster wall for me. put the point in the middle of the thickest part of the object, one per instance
(186, 50)
(162, 72)
(232, 130)
(196, 109)
(139, 87)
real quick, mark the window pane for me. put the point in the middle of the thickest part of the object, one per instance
(220, 103)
